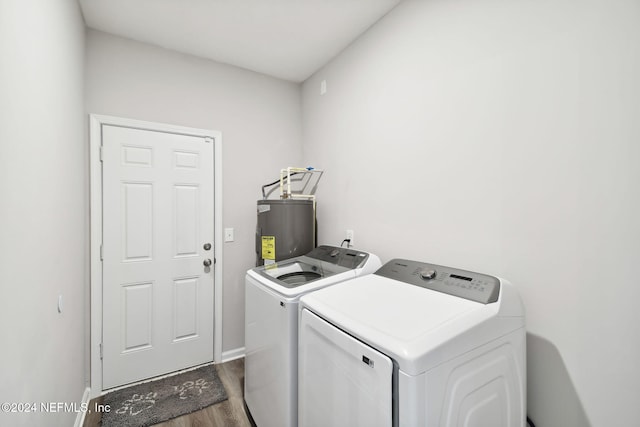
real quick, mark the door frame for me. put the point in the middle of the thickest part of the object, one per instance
(96, 121)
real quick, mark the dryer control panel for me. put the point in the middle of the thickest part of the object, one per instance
(461, 283)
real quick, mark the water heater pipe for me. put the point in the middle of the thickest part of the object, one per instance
(284, 194)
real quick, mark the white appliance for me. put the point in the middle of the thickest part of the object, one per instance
(272, 293)
(414, 344)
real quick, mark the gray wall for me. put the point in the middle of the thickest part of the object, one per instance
(259, 117)
(43, 207)
(502, 137)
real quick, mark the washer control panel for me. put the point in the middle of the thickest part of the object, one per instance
(461, 283)
(344, 257)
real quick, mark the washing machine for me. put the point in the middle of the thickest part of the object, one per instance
(414, 344)
(272, 294)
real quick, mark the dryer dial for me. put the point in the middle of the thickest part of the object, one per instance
(427, 274)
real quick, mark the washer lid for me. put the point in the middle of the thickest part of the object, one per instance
(299, 271)
(307, 271)
(296, 276)
(418, 327)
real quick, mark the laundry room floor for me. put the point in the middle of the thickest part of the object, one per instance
(229, 413)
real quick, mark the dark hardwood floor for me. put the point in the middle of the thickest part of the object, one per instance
(230, 413)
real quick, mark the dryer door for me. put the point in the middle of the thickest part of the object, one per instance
(342, 381)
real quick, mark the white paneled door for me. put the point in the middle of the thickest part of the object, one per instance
(158, 231)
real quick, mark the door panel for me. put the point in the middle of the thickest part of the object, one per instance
(186, 215)
(137, 221)
(185, 300)
(157, 215)
(137, 305)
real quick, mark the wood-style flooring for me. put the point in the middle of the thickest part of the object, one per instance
(230, 413)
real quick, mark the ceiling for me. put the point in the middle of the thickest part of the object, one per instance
(288, 39)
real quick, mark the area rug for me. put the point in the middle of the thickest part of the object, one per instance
(160, 400)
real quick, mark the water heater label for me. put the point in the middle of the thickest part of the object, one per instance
(268, 247)
(264, 208)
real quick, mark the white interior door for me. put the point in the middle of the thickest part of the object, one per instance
(158, 230)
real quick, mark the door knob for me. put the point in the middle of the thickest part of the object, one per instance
(207, 246)
(207, 262)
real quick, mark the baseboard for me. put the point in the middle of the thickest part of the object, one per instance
(230, 355)
(84, 403)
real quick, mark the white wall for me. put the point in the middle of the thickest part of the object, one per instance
(43, 209)
(259, 117)
(502, 137)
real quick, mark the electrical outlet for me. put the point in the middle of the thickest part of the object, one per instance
(350, 237)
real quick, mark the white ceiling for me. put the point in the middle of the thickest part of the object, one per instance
(288, 39)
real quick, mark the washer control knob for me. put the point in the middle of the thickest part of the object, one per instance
(427, 274)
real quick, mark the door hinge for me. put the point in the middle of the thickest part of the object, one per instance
(101, 152)
(100, 351)
(208, 139)
(101, 253)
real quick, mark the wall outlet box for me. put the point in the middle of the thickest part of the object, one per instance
(349, 237)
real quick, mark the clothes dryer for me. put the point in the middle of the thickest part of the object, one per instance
(414, 344)
(272, 293)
